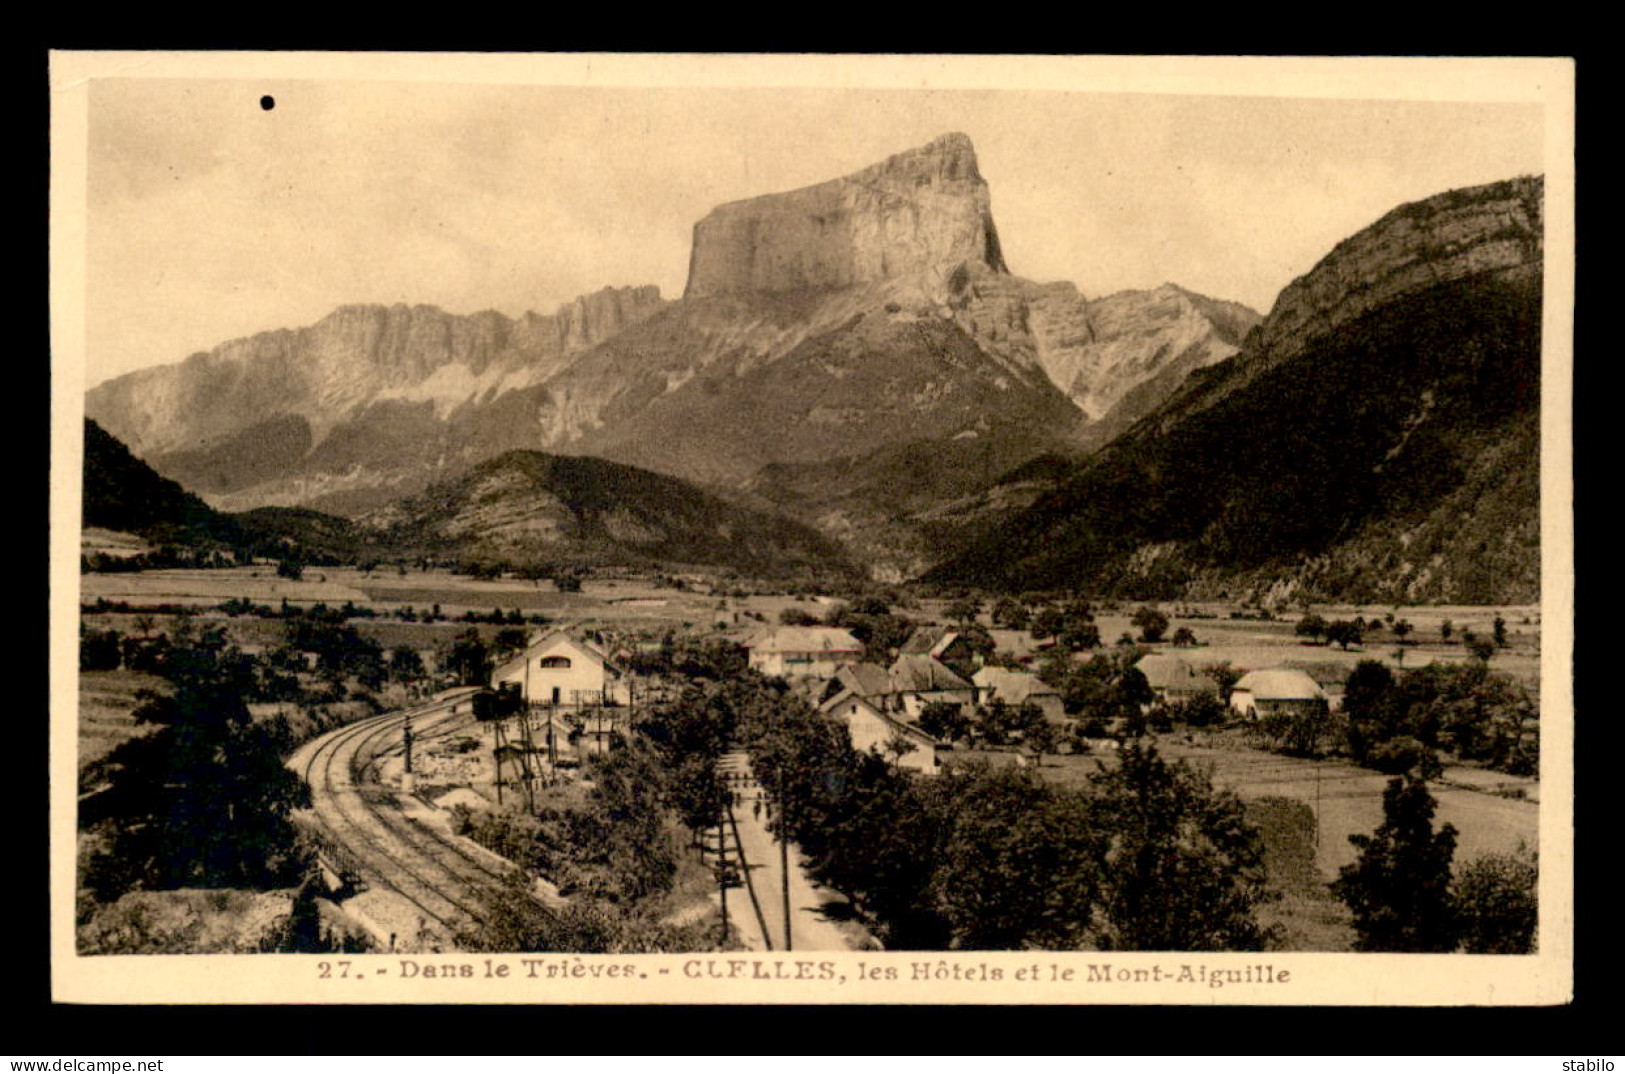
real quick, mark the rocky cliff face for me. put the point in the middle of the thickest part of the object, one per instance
(1491, 230)
(353, 357)
(1439, 239)
(920, 212)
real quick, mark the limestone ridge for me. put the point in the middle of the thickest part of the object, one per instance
(926, 211)
(1494, 230)
(1436, 240)
(355, 356)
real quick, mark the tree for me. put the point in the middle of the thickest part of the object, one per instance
(290, 567)
(1224, 677)
(1312, 627)
(1402, 628)
(204, 800)
(1010, 614)
(1151, 622)
(1500, 632)
(1481, 649)
(509, 640)
(964, 610)
(1184, 638)
(1296, 731)
(1496, 903)
(99, 650)
(467, 659)
(1182, 870)
(1446, 628)
(793, 616)
(1077, 634)
(1345, 632)
(1047, 622)
(1020, 865)
(1399, 889)
(944, 721)
(405, 665)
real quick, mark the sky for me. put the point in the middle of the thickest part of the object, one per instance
(209, 217)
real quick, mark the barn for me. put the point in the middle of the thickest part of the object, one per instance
(1275, 691)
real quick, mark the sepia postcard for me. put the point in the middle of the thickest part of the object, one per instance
(795, 529)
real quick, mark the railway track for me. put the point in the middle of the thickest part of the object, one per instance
(448, 884)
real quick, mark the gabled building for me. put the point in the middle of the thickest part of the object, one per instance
(1274, 691)
(873, 730)
(794, 650)
(918, 680)
(559, 670)
(1173, 679)
(871, 682)
(1019, 688)
(939, 643)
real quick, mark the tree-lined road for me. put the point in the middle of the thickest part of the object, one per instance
(812, 928)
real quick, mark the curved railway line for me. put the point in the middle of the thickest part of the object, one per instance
(448, 883)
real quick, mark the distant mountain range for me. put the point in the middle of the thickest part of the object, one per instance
(857, 357)
(820, 326)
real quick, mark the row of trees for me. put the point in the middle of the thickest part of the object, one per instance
(1397, 722)
(203, 798)
(1148, 857)
(1346, 632)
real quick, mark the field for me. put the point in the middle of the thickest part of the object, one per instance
(1344, 800)
(1247, 644)
(106, 700)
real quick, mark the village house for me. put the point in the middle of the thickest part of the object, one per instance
(1276, 691)
(919, 680)
(1331, 676)
(869, 681)
(559, 670)
(1019, 688)
(872, 730)
(1173, 679)
(941, 644)
(803, 650)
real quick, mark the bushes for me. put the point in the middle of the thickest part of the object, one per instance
(1404, 897)
(100, 650)
(1495, 898)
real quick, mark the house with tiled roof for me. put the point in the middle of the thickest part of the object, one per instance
(918, 680)
(803, 650)
(1173, 679)
(1020, 688)
(1273, 691)
(873, 730)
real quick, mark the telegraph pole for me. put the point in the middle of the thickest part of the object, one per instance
(784, 858)
(722, 874)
